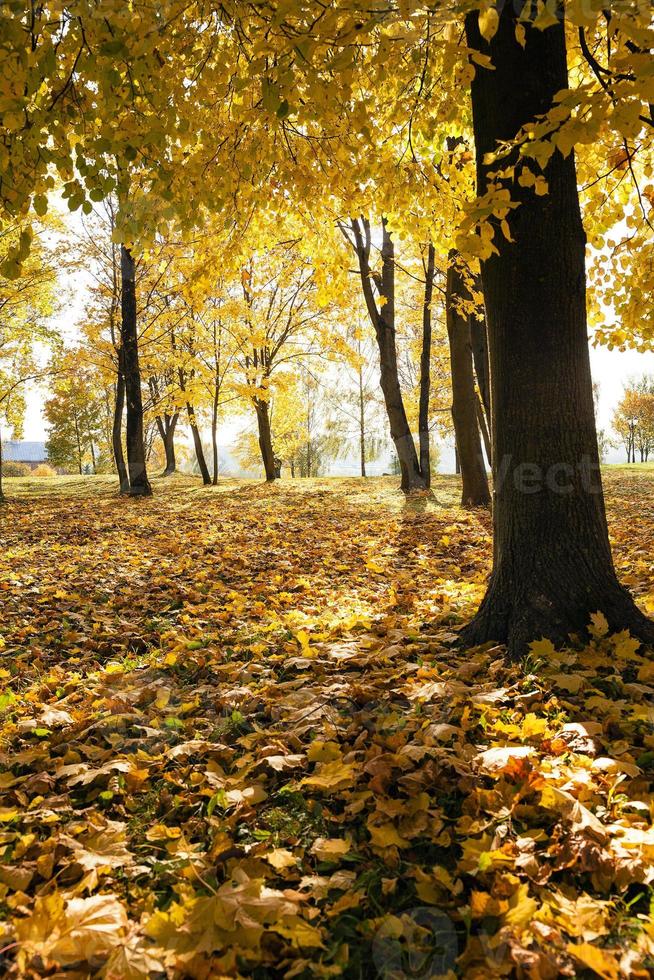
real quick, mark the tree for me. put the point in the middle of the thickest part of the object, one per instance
(633, 419)
(74, 413)
(552, 560)
(26, 303)
(381, 310)
(465, 401)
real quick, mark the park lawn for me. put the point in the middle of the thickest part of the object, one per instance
(238, 740)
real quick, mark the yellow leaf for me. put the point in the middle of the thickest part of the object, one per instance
(601, 961)
(599, 626)
(488, 23)
(330, 849)
(331, 775)
(281, 858)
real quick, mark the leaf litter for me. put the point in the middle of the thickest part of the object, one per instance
(238, 740)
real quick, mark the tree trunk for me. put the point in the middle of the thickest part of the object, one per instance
(197, 442)
(79, 447)
(2, 492)
(552, 563)
(483, 427)
(475, 492)
(362, 424)
(479, 339)
(214, 433)
(116, 430)
(139, 485)
(265, 439)
(425, 368)
(383, 320)
(166, 427)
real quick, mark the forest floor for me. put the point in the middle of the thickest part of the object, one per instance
(237, 741)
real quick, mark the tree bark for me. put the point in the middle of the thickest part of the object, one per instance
(166, 426)
(383, 321)
(116, 430)
(552, 562)
(197, 442)
(475, 492)
(425, 368)
(139, 485)
(265, 439)
(214, 435)
(2, 492)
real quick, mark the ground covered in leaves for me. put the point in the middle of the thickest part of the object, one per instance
(237, 741)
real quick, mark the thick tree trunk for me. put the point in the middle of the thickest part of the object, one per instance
(139, 485)
(265, 439)
(475, 492)
(425, 367)
(197, 442)
(552, 561)
(383, 320)
(116, 430)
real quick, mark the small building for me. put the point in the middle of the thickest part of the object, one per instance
(32, 454)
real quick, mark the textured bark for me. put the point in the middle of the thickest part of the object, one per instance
(139, 485)
(2, 492)
(552, 561)
(117, 430)
(425, 367)
(474, 492)
(265, 439)
(383, 321)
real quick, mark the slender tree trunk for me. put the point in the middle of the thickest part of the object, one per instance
(362, 424)
(166, 427)
(552, 563)
(483, 427)
(2, 492)
(214, 434)
(479, 339)
(139, 485)
(79, 447)
(116, 430)
(383, 320)
(197, 442)
(93, 461)
(425, 368)
(475, 492)
(265, 439)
